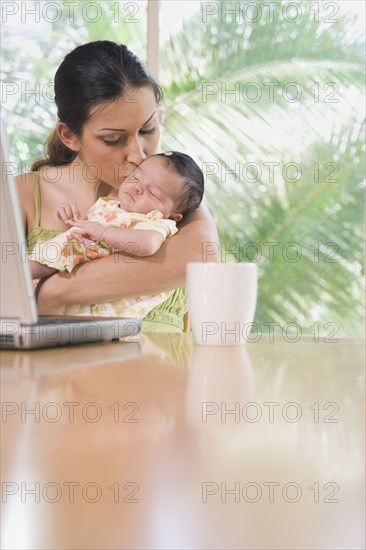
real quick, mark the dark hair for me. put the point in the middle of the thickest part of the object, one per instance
(93, 73)
(193, 180)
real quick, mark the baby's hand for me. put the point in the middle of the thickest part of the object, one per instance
(67, 213)
(91, 230)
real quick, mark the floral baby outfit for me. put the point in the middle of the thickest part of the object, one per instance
(66, 250)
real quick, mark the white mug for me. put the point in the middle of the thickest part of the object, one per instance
(221, 301)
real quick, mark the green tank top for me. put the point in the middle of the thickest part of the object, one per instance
(167, 317)
(38, 232)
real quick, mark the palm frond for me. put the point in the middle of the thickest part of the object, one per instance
(307, 234)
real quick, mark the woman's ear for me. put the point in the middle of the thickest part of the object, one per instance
(176, 217)
(68, 138)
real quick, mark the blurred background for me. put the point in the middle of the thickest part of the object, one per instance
(268, 97)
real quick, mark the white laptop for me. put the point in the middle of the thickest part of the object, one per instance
(20, 325)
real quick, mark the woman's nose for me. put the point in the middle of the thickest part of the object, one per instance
(135, 153)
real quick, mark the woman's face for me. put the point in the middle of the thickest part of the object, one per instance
(119, 135)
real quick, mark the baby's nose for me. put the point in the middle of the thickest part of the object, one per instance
(138, 189)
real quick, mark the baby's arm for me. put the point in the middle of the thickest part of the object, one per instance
(137, 242)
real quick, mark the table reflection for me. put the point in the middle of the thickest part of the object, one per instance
(220, 382)
(256, 446)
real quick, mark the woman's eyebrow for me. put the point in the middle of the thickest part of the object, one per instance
(113, 129)
(122, 129)
(148, 120)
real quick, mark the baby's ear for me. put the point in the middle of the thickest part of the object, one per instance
(176, 217)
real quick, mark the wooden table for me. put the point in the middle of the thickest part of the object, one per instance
(159, 444)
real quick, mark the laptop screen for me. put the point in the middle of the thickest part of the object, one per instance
(17, 301)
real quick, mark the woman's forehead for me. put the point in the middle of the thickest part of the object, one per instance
(134, 108)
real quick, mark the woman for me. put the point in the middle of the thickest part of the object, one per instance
(108, 124)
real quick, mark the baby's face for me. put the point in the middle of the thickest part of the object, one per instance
(152, 186)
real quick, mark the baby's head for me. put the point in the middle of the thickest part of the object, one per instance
(170, 182)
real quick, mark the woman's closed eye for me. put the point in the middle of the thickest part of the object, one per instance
(117, 140)
(148, 132)
(112, 140)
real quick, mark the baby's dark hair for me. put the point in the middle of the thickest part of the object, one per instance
(193, 180)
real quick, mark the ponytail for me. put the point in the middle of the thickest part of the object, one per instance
(56, 153)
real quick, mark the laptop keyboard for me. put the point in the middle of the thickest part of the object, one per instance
(62, 319)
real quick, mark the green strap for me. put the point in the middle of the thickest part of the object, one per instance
(37, 198)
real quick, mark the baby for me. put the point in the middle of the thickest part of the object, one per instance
(163, 189)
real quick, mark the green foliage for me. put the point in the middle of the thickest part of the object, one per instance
(305, 221)
(226, 44)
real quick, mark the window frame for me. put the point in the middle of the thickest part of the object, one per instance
(152, 44)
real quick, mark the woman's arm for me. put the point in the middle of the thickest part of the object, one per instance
(119, 276)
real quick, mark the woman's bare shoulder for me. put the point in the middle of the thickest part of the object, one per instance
(25, 184)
